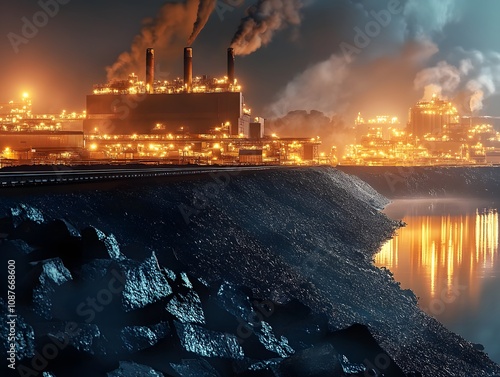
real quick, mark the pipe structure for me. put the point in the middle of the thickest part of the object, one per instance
(150, 69)
(230, 66)
(188, 69)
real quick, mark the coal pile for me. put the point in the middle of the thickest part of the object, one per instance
(85, 307)
(192, 254)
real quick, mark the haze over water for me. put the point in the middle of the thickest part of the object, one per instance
(448, 255)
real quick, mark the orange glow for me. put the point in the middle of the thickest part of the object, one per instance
(435, 253)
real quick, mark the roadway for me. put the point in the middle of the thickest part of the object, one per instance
(54, 176)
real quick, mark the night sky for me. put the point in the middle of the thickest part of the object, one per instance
(450, 44)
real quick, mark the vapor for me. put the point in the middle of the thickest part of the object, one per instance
(473, 78)
(424, 18)
(205, 9)
(335, 86)
(262, 20)
(331, 130)
(166, 33)
(383, 73)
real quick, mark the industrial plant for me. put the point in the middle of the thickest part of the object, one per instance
(204, 120)
(436, 134)
(194, 119)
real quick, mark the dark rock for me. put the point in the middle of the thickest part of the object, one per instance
(53, 274)
(22, 213)
(187, 308)
(208, 343)
(358, 345)
(136, 338)
(478, 346)
(145, 284)
(195, 368)
(128, 369)
(320, 361)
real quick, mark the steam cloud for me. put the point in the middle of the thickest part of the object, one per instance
(167, 33)
(331, 130)
(474, 78)
(205, 8)
(261, 22)
(339, 85)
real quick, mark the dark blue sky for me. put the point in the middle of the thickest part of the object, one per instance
(61, 63)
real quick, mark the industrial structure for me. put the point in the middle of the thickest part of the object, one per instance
(25, 136)
(193, 105)
(433, 118)
(436, 134)
(194, 119)
(204, 120)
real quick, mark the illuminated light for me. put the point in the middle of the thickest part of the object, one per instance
(93, 147)
(216, 146)
(26, 95)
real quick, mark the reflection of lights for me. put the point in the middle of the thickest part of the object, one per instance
(446, 249)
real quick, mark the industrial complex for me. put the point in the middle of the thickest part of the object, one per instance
(194, 119)
(204, 120)
(435, 134)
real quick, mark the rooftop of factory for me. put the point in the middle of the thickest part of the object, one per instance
(200, 84)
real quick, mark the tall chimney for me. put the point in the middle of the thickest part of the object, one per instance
(230, 65)
(188, 69)
(150, 69)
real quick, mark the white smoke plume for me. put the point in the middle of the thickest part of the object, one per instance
(205, 9)
(261, 22)
(166, 33)
(424, 18)
(339, 84)
(318, 88)
(441, 80)
(336, 86)
(475, 77)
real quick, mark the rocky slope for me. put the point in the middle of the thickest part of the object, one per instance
(252, 274)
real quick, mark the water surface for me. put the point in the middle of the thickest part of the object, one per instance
(448, 255)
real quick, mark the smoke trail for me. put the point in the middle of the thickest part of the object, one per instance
(474, 78)
(166, 33)
(205, 9)
(262, 21)
(441, 80)
(384, 69)
(426, 17)
(335, 86)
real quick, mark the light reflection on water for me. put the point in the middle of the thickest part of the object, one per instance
(448, 255)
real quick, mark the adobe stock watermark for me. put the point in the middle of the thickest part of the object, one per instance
(103, 298)
(447, 296)
(224, 6)
(261, 311)
(60, 340)
(209, 191)
(398, 178)
(364, 36)
(31, 25)
(378, 366)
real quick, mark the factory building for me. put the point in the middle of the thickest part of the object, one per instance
(432, 118)
(42, 137)
(189, 120)
(188, 106)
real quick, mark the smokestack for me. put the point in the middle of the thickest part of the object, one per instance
(230, 65)
(150, 69)
(188, 69)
